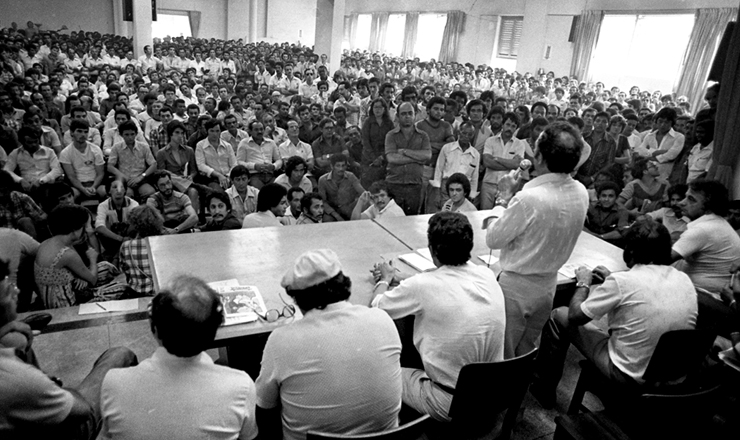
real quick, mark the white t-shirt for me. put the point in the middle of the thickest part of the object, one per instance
(83, 163)
(390, 210)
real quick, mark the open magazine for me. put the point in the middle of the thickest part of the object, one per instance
(240, 303)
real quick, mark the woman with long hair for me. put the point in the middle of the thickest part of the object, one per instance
(374, 129)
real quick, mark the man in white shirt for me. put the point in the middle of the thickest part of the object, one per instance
(458, 157)
(37, 165)
(700, 157)
(83, 163)
(501, 153)
(537, 234)
(272, 201)
(641, 304)
(233, 135)
(462, 322)
(663, 144)
(294, 146)
(709, 246)
(215, 157)
(260, 155)
(148, 61)
(179, 391)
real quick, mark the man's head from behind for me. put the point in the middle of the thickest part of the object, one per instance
(647, 242)
(185, 316)
(558, 148)
(450, 238)
(316, 280)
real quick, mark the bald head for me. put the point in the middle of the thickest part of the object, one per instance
(185, 316)
(406, 114)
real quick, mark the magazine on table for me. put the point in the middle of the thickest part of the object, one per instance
(240, 303)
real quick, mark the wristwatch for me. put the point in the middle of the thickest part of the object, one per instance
(177, 229)
(582, 284)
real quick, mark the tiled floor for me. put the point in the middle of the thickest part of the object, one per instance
(69, 355)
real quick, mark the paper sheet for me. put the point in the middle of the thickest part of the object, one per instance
(109, 306)
(225, 283)
(425, 252)
(569, 269)
(489, 259)
(416, 261)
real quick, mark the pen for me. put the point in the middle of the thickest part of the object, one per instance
(98, 304)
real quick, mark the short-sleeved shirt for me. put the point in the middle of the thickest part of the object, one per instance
(260, 219)
(459, 317)
(83, 163)
(289, 149)
(28, 398)
(438, 136)
(391, 209)
(21, 205)
(167, 396)
(340, 195)
(671, 221)
(495, 147)
(336, 370)
(410, 173)
(108, 215)
(709, 246)
(131, 161)
(642, 304)
(16, 245)
(602, 220)
(172, 209)
(243, 207)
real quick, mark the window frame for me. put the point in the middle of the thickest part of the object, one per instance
(511, 24)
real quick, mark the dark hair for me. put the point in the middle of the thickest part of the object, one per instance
(678, 189)
(510, 116)
(186, 316)
(321, 295)
(78, 124)
(146, 221)
(338, 157)
(668, 114)
(220, 196)
(270, 196)
(128, 125)
(378, 186)
(26, 131)
(67, 219)
(292, 163)
(174, 125)
(716, 196)
(461, 179)
(436, 100)
(209, 124)
(496, 110)
(294, 190)
(475, 102)
(450, 237)
(160, 174)
(237, 171)
(602, 186)
(560, 147)
(325, 121)
(647, 242)
(604, 115)
(308, 198)
(639, 166)
(539, 104)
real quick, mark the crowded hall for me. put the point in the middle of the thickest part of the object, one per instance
(368, 220)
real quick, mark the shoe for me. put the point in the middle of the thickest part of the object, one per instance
(546, 398)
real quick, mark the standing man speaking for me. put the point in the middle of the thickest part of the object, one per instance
(536, 235)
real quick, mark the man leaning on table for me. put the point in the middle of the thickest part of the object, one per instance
(536, 235)
(458, 311)
(336, 370)
(179, 392)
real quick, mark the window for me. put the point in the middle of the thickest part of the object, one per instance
(510, 33)
(429, 37)
(362, 37)
(394, 34)
(173, 25)
(642, 50)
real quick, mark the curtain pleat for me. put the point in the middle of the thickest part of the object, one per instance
(194, 17)
(586, 37)
(409, 35)
(451, 36)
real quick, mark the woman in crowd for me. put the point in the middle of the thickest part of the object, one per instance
(134, 257)
(374, 130)
(646, 191)
(61, 276)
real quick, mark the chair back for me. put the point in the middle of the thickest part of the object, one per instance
(484, 390)
(410, 431)
(678, 353)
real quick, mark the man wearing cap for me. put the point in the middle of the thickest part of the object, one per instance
(458, 311)
(336, 370)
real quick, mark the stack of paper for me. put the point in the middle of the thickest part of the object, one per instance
(569, 269)
(418, 260)
(123, 305)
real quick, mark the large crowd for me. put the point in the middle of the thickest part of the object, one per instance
(101, 150)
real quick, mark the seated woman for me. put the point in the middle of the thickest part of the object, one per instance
(61, 276)
(134, 257)
(458, 188)
(222, 218)
(295, 175)
(647, 191)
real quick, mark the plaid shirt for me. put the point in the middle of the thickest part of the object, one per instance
(20, 206)
(135, 265)
(158, 138)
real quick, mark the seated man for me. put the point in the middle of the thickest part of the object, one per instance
(312, 209)
(242, 195)
(17, 210)
(83, 163)
(260, 155)
(382, 204)
(672, 216)
(93, 136)
(336, 370)
(293, 213)
(112, 136)
(175, 207)
(222, 218)
(458, 189)
(457, 157)
(132, 161)
(272, 201)
(709, 245)
(112, 220)
(33, 405)
(37, 165)
(458, 311)
(19, 250)
(340, 190)
(641, 304)
(606, 219)
(215, 157)
(179, 392)
(326, 146)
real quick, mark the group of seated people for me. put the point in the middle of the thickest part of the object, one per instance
(246, 139)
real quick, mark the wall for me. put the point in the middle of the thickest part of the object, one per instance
(75, 14)
(213, 14)
(291, 21)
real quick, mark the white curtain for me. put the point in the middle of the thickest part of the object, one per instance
(409, 36)
(378, 28)
(587, 36)
(451, 37)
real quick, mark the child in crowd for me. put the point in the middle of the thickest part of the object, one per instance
(606, 219)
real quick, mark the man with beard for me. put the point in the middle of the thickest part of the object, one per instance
(175, 207)
(672, 216)
(440, 133)
(222, 217)
(501, 154)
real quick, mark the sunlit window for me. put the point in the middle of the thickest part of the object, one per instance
(362, 37)
(429, 38)
(171, 25)
(644, 50)
(394, 34)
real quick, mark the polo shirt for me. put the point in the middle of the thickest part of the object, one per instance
(709, 246)
(673, 223)
(83, 163)
(410, 173)
(107, 214)
(438, 136)
(259, 219)
(336, 370)
(495, 147)
(131, 161)
(340, 195)
(172, 208)
(289, 149)
(167, 396)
